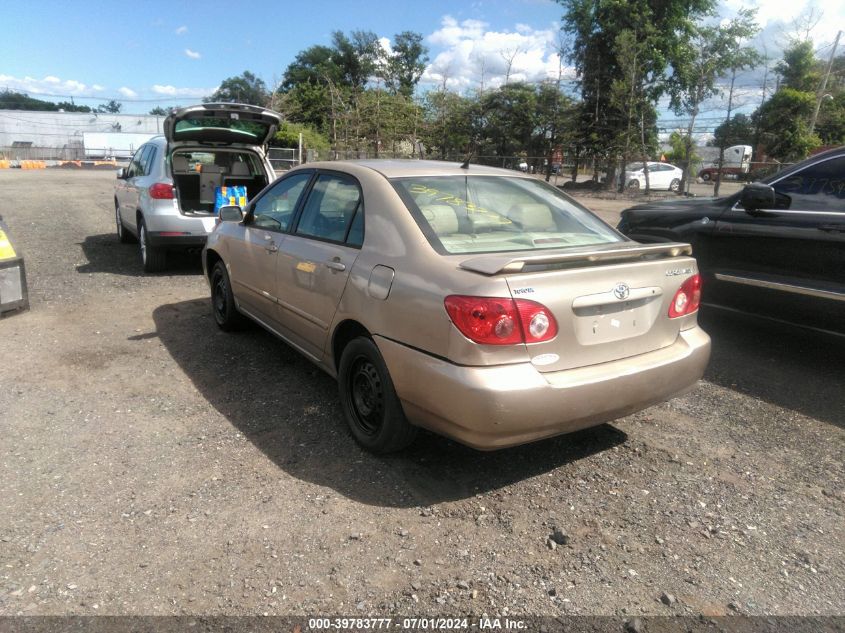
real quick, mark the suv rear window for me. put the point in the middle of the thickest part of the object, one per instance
(235, 129)
(486, 214)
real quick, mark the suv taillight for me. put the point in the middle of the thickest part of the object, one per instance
(501, 321)
(687, 299)
(161, 191)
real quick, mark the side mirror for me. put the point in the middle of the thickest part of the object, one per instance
(757, 196)
(121, 173)
(231, 213)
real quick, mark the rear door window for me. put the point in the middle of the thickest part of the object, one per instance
(819, 187)
(330, 209)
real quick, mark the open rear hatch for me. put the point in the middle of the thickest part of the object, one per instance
(222, 123)
(609, 302)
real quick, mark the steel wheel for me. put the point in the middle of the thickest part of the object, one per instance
(371, 407)
(223, 306)
(367, 396)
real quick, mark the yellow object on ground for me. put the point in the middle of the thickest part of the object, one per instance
(6, 250)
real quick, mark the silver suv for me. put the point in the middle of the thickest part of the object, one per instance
(165, 198)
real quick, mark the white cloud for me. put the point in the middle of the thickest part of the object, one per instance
(127, 92)
(192, 54)
(173, 91)
(181, 30)
(780, 18)
(470, 51)
(49, 85)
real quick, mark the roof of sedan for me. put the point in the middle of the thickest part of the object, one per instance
(397, 168)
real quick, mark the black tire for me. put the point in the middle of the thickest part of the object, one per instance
(123, 236)
(223, 306)
(705, 176)
(370, 405)
(675, 185)
(154, 260)
(633, 185)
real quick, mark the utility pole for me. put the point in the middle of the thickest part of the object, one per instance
(820, 94)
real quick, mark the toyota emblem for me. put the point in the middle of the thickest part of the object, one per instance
(621, 291)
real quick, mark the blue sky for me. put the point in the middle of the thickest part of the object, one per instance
(173, 53)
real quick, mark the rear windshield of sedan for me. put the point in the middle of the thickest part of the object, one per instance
(487, 214)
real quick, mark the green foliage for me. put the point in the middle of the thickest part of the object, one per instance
(652, 30)
(159, 111)
(784, 125)
(738, 130)
(831, 123)
(288, 136)
(407, 63)
(112, 107)
(798, 68)
(69, 106)
(247, 88)
(449, 127)
(10, 100)
(679, 142)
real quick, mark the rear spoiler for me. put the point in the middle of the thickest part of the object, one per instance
(496, 264)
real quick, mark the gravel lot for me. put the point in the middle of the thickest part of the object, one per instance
(154, 465)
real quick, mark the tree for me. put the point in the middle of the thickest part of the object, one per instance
(247, 88)
(799, 69)
(406, 64)
(159, 111)
(738, 130)
(10, 100)
(657, 27)
(707, 54)
(784, 125)
(112, 107)
(70, 106)
(288, 136)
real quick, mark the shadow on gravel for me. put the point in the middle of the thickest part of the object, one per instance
(786, 366)
(289, 410)
(106, 255)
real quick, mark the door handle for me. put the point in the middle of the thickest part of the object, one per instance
(336, 265)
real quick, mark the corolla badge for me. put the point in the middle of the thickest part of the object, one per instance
(621, 291)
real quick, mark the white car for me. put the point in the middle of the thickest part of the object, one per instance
(660, 176)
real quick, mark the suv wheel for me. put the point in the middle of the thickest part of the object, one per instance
(370, 405)
(223, 307)
(153, 259)
(123, 236)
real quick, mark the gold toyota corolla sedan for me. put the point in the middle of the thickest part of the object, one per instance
(479, 303)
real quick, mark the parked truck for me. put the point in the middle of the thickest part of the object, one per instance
(736, 164)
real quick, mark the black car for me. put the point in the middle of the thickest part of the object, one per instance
(775, 249)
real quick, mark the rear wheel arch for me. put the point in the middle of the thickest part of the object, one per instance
(346, 332)
(211, 258)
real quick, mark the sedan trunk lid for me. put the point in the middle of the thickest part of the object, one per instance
(609, 303)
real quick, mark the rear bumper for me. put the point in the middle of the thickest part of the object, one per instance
(499, 406)
(167, 240)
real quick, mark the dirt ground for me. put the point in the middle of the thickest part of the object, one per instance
(152, 464)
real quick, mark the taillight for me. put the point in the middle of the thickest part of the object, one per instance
(687, 299)
(501, 321)
(161, 191)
